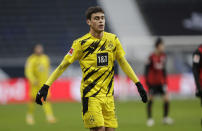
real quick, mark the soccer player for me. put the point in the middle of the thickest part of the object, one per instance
(197, 71)
(37, 72)
(96, 52)
(155, 74)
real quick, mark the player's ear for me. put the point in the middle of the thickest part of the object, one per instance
(88, 22)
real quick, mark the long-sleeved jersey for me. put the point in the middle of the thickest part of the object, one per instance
(96, 58)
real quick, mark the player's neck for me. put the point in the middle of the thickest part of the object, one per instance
(157, 52)
(95, 34)
(38, 54)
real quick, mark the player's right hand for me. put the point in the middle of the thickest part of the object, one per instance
(198, 93)
(142, 92)
(42, 94)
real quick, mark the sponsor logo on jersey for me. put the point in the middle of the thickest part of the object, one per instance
(71, 51)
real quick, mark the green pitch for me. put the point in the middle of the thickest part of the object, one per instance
(131, 117)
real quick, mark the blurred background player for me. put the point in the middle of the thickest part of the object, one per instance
(155, 74)
(197, 70)
(37, 71)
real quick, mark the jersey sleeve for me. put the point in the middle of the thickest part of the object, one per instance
(119, 49)
(147, 67)
(127, 69)
(75, 52)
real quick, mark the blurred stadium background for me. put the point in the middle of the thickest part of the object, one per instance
(55, 24)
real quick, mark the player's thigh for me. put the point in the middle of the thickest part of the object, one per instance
(92, 113)
(109, 114)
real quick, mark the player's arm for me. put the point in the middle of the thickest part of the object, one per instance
(29, 71)
(165, 72)
(73, 54)
(43, 92)
(195, 68)
(131, 74)
(58, 71)
(146, 70)
(128, 70)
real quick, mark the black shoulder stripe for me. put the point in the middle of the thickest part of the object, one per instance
(114, 49)
(84, 41)
(103, 47)
(91, 48)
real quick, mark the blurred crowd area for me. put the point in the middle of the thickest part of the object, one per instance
(55, 24)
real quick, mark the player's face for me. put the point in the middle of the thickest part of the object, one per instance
(38, 49)
(161, 48)
(97, 22)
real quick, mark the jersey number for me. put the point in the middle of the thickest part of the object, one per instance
(102, 59)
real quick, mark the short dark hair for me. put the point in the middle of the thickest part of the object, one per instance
(91, 10)
(158, 42)
(35, 45)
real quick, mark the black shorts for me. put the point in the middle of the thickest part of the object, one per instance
(157, 89)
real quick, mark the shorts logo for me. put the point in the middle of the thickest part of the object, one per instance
(91, 119)
(70, 52)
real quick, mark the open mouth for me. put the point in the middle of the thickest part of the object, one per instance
(101, 26)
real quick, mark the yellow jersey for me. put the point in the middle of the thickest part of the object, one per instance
(37, 69)
(96, 58)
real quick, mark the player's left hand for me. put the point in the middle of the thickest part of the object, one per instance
(43, 92)
(142, 92)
